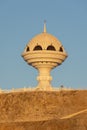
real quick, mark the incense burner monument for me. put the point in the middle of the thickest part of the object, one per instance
(44, 52)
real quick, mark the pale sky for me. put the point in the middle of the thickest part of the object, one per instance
(21, 20)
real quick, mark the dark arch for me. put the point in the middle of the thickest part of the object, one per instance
(36, 48)
(52, 48)
(27, 49)
(61, 49)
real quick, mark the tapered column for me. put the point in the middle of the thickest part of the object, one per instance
(44, 78)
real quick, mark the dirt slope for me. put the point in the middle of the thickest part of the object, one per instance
(77, 123)
(41, 110)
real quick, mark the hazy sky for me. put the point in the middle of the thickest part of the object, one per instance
(20, 20)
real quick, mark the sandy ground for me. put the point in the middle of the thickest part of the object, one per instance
(44, 110)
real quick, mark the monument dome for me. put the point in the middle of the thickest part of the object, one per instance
(44, 41)
(44, 52)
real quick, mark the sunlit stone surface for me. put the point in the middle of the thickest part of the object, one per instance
(44, 52)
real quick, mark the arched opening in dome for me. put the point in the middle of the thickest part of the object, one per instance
(37, 48)
(52, 48)
(27, 49)
(61, 49)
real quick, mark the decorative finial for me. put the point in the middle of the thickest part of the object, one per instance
(44, 26)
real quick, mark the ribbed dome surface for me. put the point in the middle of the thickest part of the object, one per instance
(45, 37)
(44, 40)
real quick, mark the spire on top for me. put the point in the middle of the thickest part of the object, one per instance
(44, 26)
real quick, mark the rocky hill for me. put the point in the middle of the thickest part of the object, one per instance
(44, 110)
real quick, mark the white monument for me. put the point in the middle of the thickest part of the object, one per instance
(44, 52)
